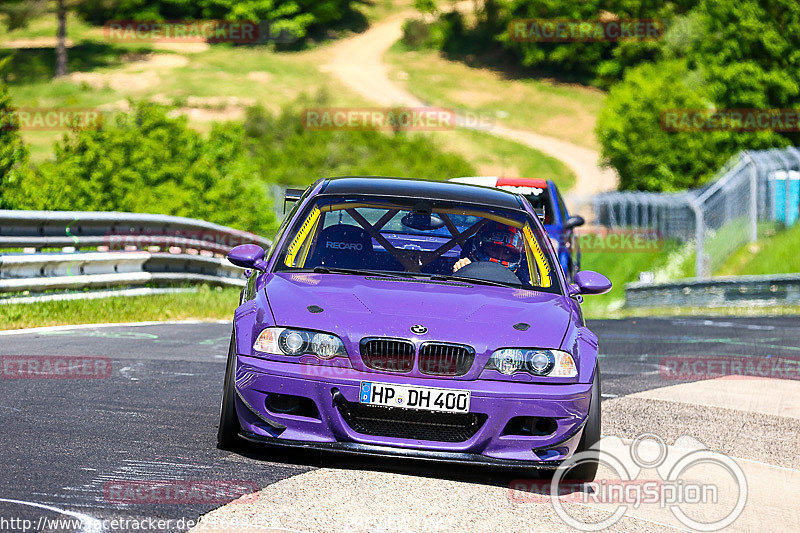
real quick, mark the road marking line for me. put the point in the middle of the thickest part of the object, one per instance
(90, 525)
(111, 325)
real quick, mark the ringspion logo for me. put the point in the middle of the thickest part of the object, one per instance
(689, 477)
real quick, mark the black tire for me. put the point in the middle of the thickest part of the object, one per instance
(586, 470)
(228, 433)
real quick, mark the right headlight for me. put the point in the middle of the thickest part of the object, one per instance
(290, 341)
(536, 361)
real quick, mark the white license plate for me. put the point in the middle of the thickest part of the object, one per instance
(408, 397)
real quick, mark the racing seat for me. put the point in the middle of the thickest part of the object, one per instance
(343, 246)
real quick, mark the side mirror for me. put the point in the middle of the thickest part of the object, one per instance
(247, 256)
(589, 282)
(574, 221)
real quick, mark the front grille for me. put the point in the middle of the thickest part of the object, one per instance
(444, 359)
(410, 423)
(390, 355)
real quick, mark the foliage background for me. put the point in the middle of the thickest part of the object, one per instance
(715, 54)
(147, 161)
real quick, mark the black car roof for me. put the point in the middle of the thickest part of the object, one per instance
(422, 189)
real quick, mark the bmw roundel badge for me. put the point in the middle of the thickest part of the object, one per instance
(419, 329)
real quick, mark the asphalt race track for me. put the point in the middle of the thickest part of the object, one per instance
(155, 417)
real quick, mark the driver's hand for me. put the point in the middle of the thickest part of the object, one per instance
(461, 263)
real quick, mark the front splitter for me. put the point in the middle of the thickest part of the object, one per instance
(355, 448)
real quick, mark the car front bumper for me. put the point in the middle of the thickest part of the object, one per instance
(332, 389)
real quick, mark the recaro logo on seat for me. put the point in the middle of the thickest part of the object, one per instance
(345, 245)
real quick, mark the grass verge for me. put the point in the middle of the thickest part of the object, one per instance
(774, 253)
(204, 304)
(564, 111)
(670, 262)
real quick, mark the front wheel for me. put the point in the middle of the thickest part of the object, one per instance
(228, 433)
(586, 469)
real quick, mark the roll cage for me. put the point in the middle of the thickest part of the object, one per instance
(311, 222)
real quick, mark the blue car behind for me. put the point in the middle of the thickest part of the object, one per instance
(558, 222)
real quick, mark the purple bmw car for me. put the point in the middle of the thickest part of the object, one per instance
(410, 318)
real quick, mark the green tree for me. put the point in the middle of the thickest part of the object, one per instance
(598, 62)
(13, 152)
(750, 52)
(296, 17)
(722, 56)
(146, 162)
(19, 13)
(291, 155)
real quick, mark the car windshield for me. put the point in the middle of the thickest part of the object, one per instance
(418, 238)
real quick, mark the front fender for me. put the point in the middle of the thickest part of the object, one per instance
(582, 343)
(248, 321)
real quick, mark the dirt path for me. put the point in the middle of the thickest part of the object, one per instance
(358, 63)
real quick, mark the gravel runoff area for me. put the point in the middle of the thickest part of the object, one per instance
(764, 438)
(762, 445)
(356, 500)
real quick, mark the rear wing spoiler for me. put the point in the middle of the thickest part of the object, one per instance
(291, 195)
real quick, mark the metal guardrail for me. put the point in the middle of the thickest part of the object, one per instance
(92, 229)
(147, 240)
(724, 291)
(42, 272)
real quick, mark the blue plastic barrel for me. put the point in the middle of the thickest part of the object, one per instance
(781, 186)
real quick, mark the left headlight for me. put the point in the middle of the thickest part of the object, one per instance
(290, 341)
(536, 361)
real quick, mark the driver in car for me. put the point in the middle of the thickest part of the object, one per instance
(496, 243)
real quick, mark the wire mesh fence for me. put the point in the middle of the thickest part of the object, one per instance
(721, 216)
